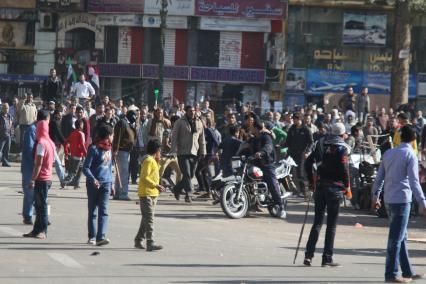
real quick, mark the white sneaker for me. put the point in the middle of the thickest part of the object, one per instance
(91, 241)
(283, 214)
(102, 242)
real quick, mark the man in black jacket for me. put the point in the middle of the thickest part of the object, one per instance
(263, 148)
(52, 88)
(330, 156)
(68, 120)
(299, 141)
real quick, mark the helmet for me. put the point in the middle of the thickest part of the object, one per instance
(254, 172)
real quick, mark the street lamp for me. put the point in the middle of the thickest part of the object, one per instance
(163, 26)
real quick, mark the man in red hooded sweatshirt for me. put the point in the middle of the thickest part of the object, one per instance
(41, 179)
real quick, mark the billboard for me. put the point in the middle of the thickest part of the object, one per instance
(63, 5)
(295, 81)
(234, 25)
(175, 7)
(364, 29)
(252, 9)
(321, 82)
(13, 34)
(116, 6)
(25, 4)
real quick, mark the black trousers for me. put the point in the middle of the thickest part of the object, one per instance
(325, 198)
(202, 174)
(134, 165)
(273, 185)
(187, 165)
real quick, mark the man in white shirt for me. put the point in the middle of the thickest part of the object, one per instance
(83, 89)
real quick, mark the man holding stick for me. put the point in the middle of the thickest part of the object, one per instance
(331, 158)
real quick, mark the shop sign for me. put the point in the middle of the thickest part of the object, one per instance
(120, 70)
(295, 81)
(421, 84)
(17, 14)
(24, 4)
(63, 5)
(173, 22)
(151, 71)
(175, 7)
(249, 76)
(254, 9)
(127, 20)
(238, 25)
(21, 78)
(116, 6)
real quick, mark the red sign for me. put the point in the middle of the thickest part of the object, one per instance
(116, 6)
(252, 9)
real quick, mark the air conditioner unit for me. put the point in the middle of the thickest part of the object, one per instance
(46, 21)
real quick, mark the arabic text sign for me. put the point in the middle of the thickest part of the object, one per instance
(175, 8)
(170, 72)
(253, 76)
(266, 9)
(116, 6)
(173, 22)
(238, 25)
(120, 70)
(128, 20)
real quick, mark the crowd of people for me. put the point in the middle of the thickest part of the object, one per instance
(116, 143)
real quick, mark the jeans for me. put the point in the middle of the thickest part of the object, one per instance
(41, 189)
(187, 165)
(146, 228)
(273, 185)
(27, 206)
(58, 168)
(22, 129)
(97, 201)
(122, 161)
(5, 149)
(74, 171)
(325, 198)
(397, 252)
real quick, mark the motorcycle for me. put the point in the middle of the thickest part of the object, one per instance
(240, 192)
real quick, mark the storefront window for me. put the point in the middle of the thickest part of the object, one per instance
(80, 39)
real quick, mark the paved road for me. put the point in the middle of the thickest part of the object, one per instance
(201, 244)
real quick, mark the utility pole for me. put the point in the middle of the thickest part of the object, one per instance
(163, 26)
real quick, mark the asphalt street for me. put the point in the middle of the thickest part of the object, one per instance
(200, 244)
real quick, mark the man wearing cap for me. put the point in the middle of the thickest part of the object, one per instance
(399, 175)
(330, 157)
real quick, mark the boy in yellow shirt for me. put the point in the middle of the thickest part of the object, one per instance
(148, 191)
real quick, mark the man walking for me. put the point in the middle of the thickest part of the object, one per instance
(189, 144)
(6, 125)
(26, 114)
(399, 174)
(331, 157)
(41, 179)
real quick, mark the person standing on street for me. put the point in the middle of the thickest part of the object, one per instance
(148, 191)
(363, 105)
(189, 144)
(52, 88)
(41, 179)
(98, 170)
(398, 175)
(83, 90)
(124, 139)
(299, 141)
(330, 156)
(348, 101)
(6, 126)
(26, 114)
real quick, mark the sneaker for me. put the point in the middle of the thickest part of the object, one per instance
(330, 264)
(151, 246)
(103, 242)
(205, 195)
(28, 222)
(398, 280)
(283, 214)
(417, 276)
(307, 262)
(138, 245)
(91, 241)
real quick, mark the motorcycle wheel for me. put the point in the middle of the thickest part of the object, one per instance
(232, 208)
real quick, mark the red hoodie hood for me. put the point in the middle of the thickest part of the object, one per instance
(42, 130)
